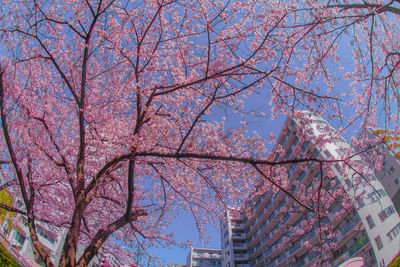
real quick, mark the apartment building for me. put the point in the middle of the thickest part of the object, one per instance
(176, 265)
(233, 240)
(367, 225)
(389, 175)
(19, 240)
(204, 257)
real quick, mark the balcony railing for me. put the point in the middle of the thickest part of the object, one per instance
(239, 245)
(353, 250)
(241, 256)
(236, 236)
(357, 246)
(347, 228)
(206, 256)
(237, 225)
(294, 248)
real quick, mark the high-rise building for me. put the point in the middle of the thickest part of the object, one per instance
(358, 216)
(389, 175)
(233, 240)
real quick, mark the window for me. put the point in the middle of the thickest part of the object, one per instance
(338, 167)
(348, 183)
(397, 180)
(301, 176)
(305, 145)
(285, 140)
(50, 236)
(386, 213)
(370, 221)
(378, 242)
(289, 153)
(328, 153)
(391, 170)
(20, 238)
(296, 139)
(374, 196)
(360, 202)
(288, 134)
(292, 168)
(340, 150)
(320, 122)
(292, 189)
(394, 232)
(381, 193)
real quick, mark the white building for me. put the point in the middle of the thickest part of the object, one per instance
(375, 207)
(176, 265)
(389, 175)
(233, 240)
(204, 257)
(19, 239)
(266, 228)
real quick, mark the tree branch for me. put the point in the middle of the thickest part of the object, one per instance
(102, 235)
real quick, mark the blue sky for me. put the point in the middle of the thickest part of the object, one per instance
(184, 227)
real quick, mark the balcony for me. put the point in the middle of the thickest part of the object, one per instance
(310, 235)
(268, 251)
(206, 264)
(362, 242)
(341, 259)
(347, 228)
(281, 258)
(311, 256)
(294, 248)
(357, 246)
(238, 236)
(239, 246)
(238, 226)
(206, 256)
(241, 257)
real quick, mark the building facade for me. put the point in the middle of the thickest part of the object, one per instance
(176, 265)
(204, 257)
(233, 240)
(19, 240)
(389, 175)
(274, 232)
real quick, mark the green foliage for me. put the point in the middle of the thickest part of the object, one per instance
(6, 259)
(396, 261)
(5, 198)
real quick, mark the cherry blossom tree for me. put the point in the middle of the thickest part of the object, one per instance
(104, 105)
(366, 28)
